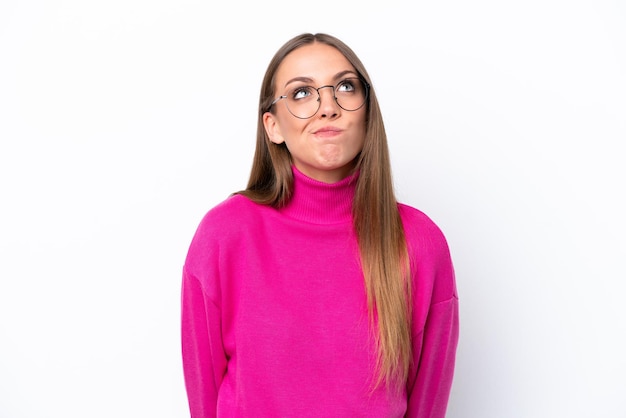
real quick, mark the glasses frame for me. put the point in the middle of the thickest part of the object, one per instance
(319, 97)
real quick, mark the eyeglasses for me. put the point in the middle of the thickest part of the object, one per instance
(304, 101)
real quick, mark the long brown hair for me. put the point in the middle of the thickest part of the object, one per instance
(377, 223)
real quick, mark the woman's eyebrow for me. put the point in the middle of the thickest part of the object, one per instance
(301, 79)
(344, 73)
(309, 80)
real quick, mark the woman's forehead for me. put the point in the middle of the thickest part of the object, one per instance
(316, 62)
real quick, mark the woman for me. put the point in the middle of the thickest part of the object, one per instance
(313, 293)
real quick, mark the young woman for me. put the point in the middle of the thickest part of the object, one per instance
(313, 292)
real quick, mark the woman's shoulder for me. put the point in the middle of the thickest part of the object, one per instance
(235, 212)
(421, 230)
(223, 223)
(414, 218)
(430, 255)
(232, 207)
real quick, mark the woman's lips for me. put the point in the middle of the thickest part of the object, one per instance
(327, 131)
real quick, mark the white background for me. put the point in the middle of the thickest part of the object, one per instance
(122, 122)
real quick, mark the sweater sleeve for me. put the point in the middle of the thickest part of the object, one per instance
(428, 397)
(435, 320)
(204, 361)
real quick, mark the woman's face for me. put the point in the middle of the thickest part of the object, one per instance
(323, 147)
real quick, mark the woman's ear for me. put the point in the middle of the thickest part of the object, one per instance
(272, 128)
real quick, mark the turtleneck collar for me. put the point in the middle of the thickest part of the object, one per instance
(321, 203)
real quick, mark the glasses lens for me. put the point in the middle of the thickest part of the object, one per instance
(350, 94)
(303, 102)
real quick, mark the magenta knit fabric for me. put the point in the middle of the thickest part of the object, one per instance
(274, 312)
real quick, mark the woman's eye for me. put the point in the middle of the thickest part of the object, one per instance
(301, 93)
(346, 86)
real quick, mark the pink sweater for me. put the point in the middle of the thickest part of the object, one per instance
(274, 312)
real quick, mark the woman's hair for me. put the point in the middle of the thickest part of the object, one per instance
(377, 223)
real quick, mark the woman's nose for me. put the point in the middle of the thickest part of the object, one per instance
(328, 104)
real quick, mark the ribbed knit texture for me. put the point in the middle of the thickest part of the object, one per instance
(321, 203)
(274, 312)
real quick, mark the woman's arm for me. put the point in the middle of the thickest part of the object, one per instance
(430, 389)
(435, 317)
(204, 361)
